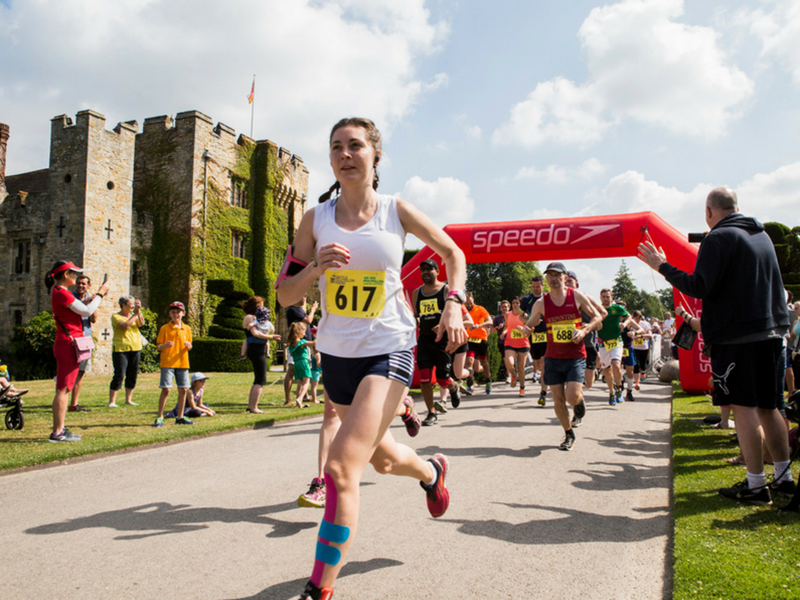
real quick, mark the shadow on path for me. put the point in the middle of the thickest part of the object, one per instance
(291, 589)
(162, 518)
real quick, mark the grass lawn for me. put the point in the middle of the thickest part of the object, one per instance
(724, 549)
(106, 429)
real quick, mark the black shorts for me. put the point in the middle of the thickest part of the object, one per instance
(591, 355)
(257, 353)
(538, 350)
(343, 375)
(460, 349)
(748, 374)
(478, 350)
(432, 354)
(641, 360)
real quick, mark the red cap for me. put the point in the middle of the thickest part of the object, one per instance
(66, 266)
(177, 305)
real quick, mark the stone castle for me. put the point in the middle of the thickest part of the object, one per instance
(159, 211)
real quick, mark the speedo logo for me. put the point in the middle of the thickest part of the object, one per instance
(512, 238)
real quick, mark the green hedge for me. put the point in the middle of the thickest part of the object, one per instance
(795, 289)
(218, 356)
(777, 232)
(791, 279)
(232, 310)
(228, 322)
(224, 333)
(150, 358)
(493, 355)
(31, 348)
(229, 288)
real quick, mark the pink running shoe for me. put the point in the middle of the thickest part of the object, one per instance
(438, 495)
(411, 419)
(315, 496)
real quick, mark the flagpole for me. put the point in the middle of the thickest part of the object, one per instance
(253, 106)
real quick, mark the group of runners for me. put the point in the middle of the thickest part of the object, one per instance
(352, 243)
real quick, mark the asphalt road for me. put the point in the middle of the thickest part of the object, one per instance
(217, 518)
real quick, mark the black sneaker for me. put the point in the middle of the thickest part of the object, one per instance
(569, 441)
(455, 397)
(471, 379)
(431, 419)
(741, 492)
(183, 421)
(65, 435)
(785, 489)
(629, 396)
(542, 395)
(576, 421)
(580, 409)
(312, 592)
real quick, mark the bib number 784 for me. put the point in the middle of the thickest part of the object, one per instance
(356, 294)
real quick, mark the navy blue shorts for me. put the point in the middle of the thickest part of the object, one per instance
(342, 376)
(563, 370)
(630, 360)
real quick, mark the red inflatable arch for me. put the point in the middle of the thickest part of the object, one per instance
(608, 236)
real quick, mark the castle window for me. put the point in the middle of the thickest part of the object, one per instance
(17, 317)
(110, 185)
(67, 178)
(238, 193)
(237, 244)
(134, 273)
(22, 260)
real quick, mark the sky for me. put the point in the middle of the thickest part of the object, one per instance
(502, 111)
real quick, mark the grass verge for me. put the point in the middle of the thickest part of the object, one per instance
(723, 549)
(108, 429)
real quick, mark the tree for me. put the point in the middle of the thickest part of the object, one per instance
(492, 282)
(624, 289)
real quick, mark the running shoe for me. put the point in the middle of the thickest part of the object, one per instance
(65, 435)
(785, 489)
(466, 389)
(455, 397)
(514, 380)
(580, 409)
(438, 496)
(569, 441)
(636, 385)
(542, 396)
(431, 419)
(312, 592)
(439, 406)
(315, 496)
(470, 379)
(521, 392)
(576, 421)
(159, 422)
(618, 395)
(411, 419)
(612, 399)
(183, 421)
(79, 408)
(629, 396)
(741, 492)
(488, 388)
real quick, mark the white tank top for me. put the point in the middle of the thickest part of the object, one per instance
(364, 312)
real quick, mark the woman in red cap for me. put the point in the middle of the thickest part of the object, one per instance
(67, 311)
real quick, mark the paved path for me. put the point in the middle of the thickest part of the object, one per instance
(216, 518)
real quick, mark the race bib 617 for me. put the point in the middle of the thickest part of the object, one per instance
(357, 294)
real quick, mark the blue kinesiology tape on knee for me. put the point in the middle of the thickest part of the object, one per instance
(328, 554)
(338, 534)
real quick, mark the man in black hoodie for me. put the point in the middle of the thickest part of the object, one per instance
(743, 319)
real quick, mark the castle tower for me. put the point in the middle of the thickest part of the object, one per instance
(4, 134)
(91, 189)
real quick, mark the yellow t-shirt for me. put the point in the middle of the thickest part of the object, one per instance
(125, 340)
(176, 357)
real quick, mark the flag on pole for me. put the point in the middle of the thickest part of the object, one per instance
(252, 92)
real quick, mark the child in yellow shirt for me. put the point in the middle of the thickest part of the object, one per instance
(174, 342)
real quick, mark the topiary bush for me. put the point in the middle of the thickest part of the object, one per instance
(230, 310)
(218, 356)
(224, 333)
(229, 289)
(150, 359)
(31, 348)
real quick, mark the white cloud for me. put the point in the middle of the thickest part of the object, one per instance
(773, 196)
(643, 66)
(779, 32)
(445, 201)
(316, 61)
(553, 174)
(474, 132)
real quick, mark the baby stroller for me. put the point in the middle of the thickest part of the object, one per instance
(15, 419)
(793, 414)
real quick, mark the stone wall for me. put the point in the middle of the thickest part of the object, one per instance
(4, 134)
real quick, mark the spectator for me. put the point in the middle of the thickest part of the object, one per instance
(82, 286)
(67, 311)
(174, 342)
(5, 384)
(299, 346)
(257, 348)
(194, 407)
(127, 348)
(743, 320)
(294, 314)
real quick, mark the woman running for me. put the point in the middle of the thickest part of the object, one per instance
(354, 244)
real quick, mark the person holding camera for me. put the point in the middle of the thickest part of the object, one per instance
(127, 348)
